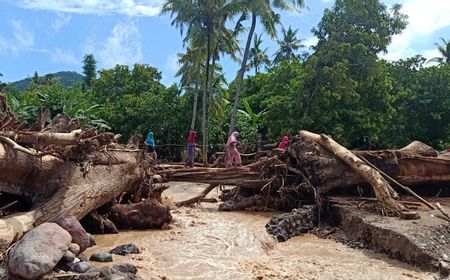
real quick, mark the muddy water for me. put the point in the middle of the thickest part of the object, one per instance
(206, 244)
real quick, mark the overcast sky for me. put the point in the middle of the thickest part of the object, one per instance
(49, 36)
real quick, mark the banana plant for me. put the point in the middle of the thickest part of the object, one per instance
(254, 118)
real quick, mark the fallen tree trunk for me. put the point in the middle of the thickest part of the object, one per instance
(64, 187)
(373, 177)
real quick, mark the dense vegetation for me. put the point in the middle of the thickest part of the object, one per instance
(341, 88)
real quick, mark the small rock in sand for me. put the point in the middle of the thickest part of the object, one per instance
(101, 257)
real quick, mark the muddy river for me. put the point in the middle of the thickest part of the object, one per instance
(206, 244)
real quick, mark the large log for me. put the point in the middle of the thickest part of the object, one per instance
(373, 177)
(64, 187)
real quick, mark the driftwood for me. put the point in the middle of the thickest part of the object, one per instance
(197, 199)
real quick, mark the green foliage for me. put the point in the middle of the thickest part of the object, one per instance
(89, 69)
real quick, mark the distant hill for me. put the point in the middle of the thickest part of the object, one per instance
(67, 78)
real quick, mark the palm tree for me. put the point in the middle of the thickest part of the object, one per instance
(262, 10)
(258, 57)
(444, 51)
(288, 46)
(203, 20)
(190, 72)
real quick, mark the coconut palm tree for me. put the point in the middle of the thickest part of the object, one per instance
(258, 57)
(202, 20)
(190, 72)
(288, 46)
(262, 10)
(444, 51)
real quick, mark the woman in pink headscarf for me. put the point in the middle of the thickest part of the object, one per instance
(190, 149)
(283, 143)
(233, 153)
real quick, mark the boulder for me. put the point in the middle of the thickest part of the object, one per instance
(38, 251)
(76, 230)
(125, 249)
(101, 257)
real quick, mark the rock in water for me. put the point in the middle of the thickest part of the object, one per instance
(125, 250)
(297, 222)
(101, 257)
(126, 268)
(39, 251)
(76, 230)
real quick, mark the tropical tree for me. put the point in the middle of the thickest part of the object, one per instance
(89, 69)
(203, 20)
(258, 57)
(190, 73)
(262, 10)
(288, 46)
(444, 51)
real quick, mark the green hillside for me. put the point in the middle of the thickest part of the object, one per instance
(67, 78)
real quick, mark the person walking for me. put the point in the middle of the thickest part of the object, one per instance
(150, 145)
(190, 149)
(232, 151)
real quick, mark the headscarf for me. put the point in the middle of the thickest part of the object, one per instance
(283, 143)
(192, 136)
(150, 140)
(233, 138)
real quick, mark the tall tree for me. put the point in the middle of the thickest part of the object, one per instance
(190, 72)
(201, 19)
(288, 46)
(258, 57)
(444, 51)
(89, 69)
(262, 10)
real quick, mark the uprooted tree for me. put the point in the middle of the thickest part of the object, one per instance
(63, 169)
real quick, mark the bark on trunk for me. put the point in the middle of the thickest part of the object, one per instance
(64, 187)
(241, 73)
(374, 178)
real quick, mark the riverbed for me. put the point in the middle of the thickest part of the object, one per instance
(203, 243)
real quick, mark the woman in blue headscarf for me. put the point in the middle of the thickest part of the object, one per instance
(150, 144)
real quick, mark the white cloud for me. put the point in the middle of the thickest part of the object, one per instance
(65, 57)
(127, 7)
(22, 40)
(123, 46)
(61, 20)
(172, 64)
(310, 42)
(425, 18)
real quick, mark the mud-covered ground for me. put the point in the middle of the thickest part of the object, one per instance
(206, 244)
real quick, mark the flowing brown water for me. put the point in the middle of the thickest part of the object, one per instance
(207, 244)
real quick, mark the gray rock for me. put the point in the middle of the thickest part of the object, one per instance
(81, 267)
(39, 251)
(69, 256)
(74, 248)
(91, 240)
(101, 257)
(126, 268)
(76, 230)
(125, 249)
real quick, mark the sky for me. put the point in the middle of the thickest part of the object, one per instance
(49, 36)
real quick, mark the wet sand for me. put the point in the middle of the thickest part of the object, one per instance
(206, 244)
